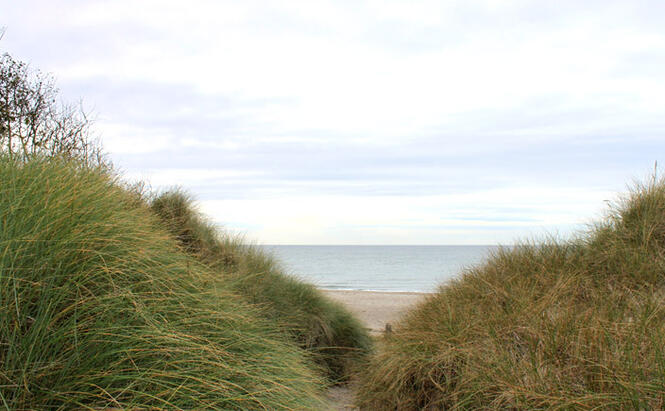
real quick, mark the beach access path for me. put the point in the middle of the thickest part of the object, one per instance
(374, 309)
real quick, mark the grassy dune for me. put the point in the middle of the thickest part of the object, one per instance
(323, 327)
(100, 308)
(560, 325)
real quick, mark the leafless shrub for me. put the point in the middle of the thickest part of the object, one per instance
(33, 121)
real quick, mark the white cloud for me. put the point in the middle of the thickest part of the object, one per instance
(338, 81)
(182, 177)
(122, 138)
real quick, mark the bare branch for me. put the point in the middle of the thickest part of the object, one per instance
(32, 122)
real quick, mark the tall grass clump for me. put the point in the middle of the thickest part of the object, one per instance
(100, 309)
(555, 325)
(317, 324)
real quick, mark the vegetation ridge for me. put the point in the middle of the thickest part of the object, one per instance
(100, 308)
(552, 325)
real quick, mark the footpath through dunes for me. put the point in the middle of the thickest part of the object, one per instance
(100, 308)
(564, 325)
(378, 312)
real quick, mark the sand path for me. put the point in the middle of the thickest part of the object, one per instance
(374, 309)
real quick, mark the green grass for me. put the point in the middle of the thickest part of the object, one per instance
(100, 308)
(558, 325)
(336, 340)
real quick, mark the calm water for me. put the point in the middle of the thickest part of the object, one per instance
(379, 268)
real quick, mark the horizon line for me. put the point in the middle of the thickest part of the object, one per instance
(389, 245)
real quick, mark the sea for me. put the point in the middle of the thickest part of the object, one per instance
(393, 268)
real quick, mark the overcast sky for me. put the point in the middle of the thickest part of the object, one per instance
(367, 122)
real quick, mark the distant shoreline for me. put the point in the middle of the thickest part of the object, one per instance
(373, 291)
(386, 245)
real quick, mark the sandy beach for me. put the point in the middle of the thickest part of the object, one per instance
(376, 309)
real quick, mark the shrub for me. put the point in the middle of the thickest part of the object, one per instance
(33, 122)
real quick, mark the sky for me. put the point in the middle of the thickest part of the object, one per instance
(366, 122)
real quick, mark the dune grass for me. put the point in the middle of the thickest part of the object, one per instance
(336, 340)
(100, 308)
(557, 325)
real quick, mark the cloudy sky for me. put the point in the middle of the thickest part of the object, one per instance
(367, 122)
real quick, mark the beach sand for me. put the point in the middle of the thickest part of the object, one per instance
(374, 309)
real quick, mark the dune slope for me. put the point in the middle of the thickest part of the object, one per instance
(564, 325)
(100, 308)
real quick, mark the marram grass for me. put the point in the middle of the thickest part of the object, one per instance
(559, 325)
(335, 339)
(99, 308)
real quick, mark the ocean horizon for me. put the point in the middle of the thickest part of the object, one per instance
(386, 268)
